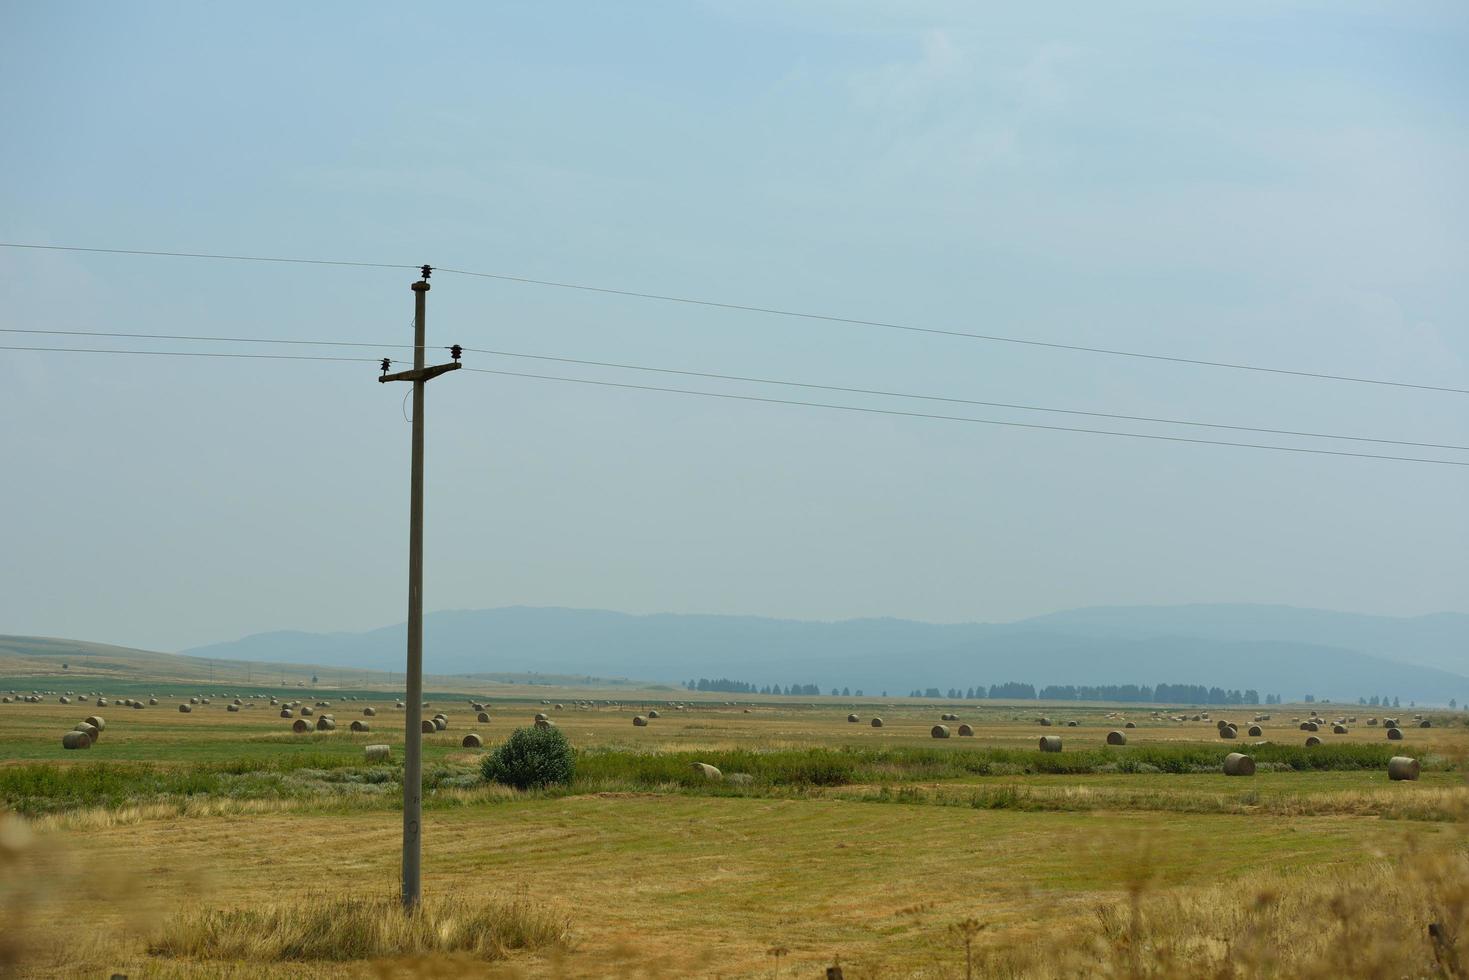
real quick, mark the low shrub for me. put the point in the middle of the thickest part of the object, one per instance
(531, 758)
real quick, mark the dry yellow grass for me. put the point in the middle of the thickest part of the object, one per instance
(1290, 874)
(332, 927)
(680, 886)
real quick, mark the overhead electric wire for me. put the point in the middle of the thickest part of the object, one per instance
(993, 338)
(193, 353)
(197, 337)
(770, 311)
(961, 418)
(771, 401)
(751, 380)
(965, 401)
(209, 255)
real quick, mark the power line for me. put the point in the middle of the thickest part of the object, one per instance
(197, 337)
(966, 401)
(192, 353)
(960, 418)
(770, 311)
(993, 338)
(208, 255)
(746, 379)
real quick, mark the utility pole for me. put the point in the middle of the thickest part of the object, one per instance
(413, 734)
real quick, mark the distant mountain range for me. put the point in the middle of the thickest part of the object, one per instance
(1272, 649)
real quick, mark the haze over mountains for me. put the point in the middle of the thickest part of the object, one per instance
(1273, 649)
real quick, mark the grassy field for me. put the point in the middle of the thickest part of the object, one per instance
(882, 848)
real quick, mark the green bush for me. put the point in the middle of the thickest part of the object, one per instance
(531, 758)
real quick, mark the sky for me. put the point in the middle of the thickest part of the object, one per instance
(1278, 184)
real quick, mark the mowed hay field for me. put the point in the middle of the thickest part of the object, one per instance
(884, 849)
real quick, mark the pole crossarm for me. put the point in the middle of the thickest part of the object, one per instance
(422, 374)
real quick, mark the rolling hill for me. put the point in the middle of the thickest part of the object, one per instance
(1270, 649)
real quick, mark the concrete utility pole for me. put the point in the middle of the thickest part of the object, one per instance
(413, 735)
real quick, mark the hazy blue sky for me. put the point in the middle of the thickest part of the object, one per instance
(1265, 182)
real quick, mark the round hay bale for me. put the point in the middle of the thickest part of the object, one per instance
(97, 722)
(137, 704)
(1130, 724)
(876, 722)
(378, 753)
(1050, 743)
(1395, 734)
(653, 713)
(325, 724)
(1402, 767)
(428, 727)
(541, 715)
(1071, 724)
(1222, 723)
(1256, 731)
(472, 741)
(1238, 764)
(287, 713)
(939, 731)
(1045, 723)
(559, 707)
(966, 731)
(237, 701)
(483, 717)
(185, 708)
(301, 726)
(89, 730)
(232, 707)
(1371, 722)
(1425, 723)
(101, 702)
(1229, 731)
(442, 724)
(76, 740)
(307, 711)
(359, 726)
(1116, 738)
(545, 723)
(709, 772)
(1312, 741)
(638, 721)
(369, 712)
(853, 718)
(64, 699)
(1338, 729)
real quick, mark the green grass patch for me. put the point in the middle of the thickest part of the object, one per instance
(839, 767)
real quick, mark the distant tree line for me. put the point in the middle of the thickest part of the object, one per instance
(1016, 691)
(1161, 694)
(727, 686)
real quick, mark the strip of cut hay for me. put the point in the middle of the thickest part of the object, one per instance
(344, 928)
